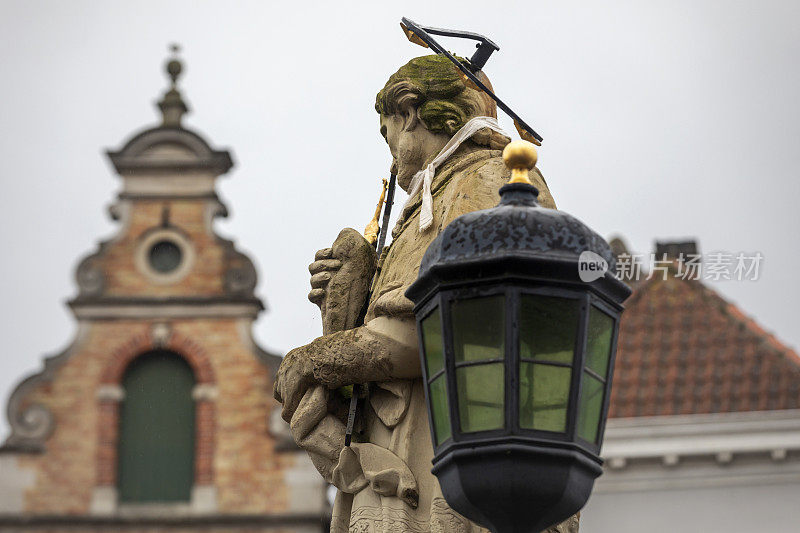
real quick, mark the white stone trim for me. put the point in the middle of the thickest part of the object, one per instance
(671, 459)
(160, 332)
(724, 458)
(697, 475)
(617, 463)
(154, 510)
(186, 183)
(105, 502)
(166, 311)
(761, 431)
(778, 454)
(205, 392)
(113, 393)
(701, 451)
(204, 499)
(141, 259)
(15, 480)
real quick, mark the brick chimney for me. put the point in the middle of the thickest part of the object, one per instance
(674, 249)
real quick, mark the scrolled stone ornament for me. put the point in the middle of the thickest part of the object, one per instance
(90, 277)
(241, 278)
(30, 426)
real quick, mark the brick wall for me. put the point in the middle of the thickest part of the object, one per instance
(123, 278)
(234, 453)
(81, 453)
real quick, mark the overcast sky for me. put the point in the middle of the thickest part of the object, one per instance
(661, 120)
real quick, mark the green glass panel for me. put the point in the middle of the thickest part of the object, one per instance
(543, 396)
(432, 342)
(156, 432)
(598, 346)
(591, 405)
(478, 328)
(481, 396)
(440, 408)
(548, 328)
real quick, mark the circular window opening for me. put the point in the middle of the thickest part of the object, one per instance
(165, 256)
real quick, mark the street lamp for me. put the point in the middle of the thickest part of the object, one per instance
(517, 356)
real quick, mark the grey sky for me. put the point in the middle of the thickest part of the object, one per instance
(661, 120)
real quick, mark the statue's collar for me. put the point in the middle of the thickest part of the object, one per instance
(444, 173)
(455, 163)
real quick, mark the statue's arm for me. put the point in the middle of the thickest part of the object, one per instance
(383, 349)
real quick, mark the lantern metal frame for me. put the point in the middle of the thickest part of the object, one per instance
(511, 360)
(513, 250)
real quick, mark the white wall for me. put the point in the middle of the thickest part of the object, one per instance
(721, 473)
(14, 480)
(753, 509)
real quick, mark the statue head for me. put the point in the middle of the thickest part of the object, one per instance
(424, 104)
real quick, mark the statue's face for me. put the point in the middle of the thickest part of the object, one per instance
(392, 130)
(412, 145)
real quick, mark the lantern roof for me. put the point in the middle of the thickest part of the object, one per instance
(512, 236)
(517, 226)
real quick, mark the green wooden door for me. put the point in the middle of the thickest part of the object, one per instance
(156, 434)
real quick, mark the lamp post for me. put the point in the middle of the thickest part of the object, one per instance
(517, 357)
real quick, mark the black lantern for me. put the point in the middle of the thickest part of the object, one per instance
(517, 356)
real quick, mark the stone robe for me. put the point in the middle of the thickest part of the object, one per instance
(391, 473)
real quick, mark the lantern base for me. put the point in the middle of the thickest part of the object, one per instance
(513, 487)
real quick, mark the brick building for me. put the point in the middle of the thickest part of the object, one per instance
(158, 415)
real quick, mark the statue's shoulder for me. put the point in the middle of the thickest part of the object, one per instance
(481, 174)
(484, 162)
(490, 171)
(472, 184)
(482, 169)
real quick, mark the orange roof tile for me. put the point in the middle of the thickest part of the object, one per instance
(683, 349)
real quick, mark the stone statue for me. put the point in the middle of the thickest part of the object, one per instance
(384, 483)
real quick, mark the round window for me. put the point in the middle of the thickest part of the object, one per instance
(165, 256)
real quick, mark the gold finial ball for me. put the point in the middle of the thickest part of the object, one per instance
(520, 155)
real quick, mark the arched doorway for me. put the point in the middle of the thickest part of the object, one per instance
(156, 430)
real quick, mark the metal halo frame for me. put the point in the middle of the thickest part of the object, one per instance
(421, 35)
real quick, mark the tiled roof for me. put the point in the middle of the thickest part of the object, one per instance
(683, 349)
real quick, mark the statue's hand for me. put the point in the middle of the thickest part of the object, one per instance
(295, 377)
(322, 269)
(340, 278)
(384, 349)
